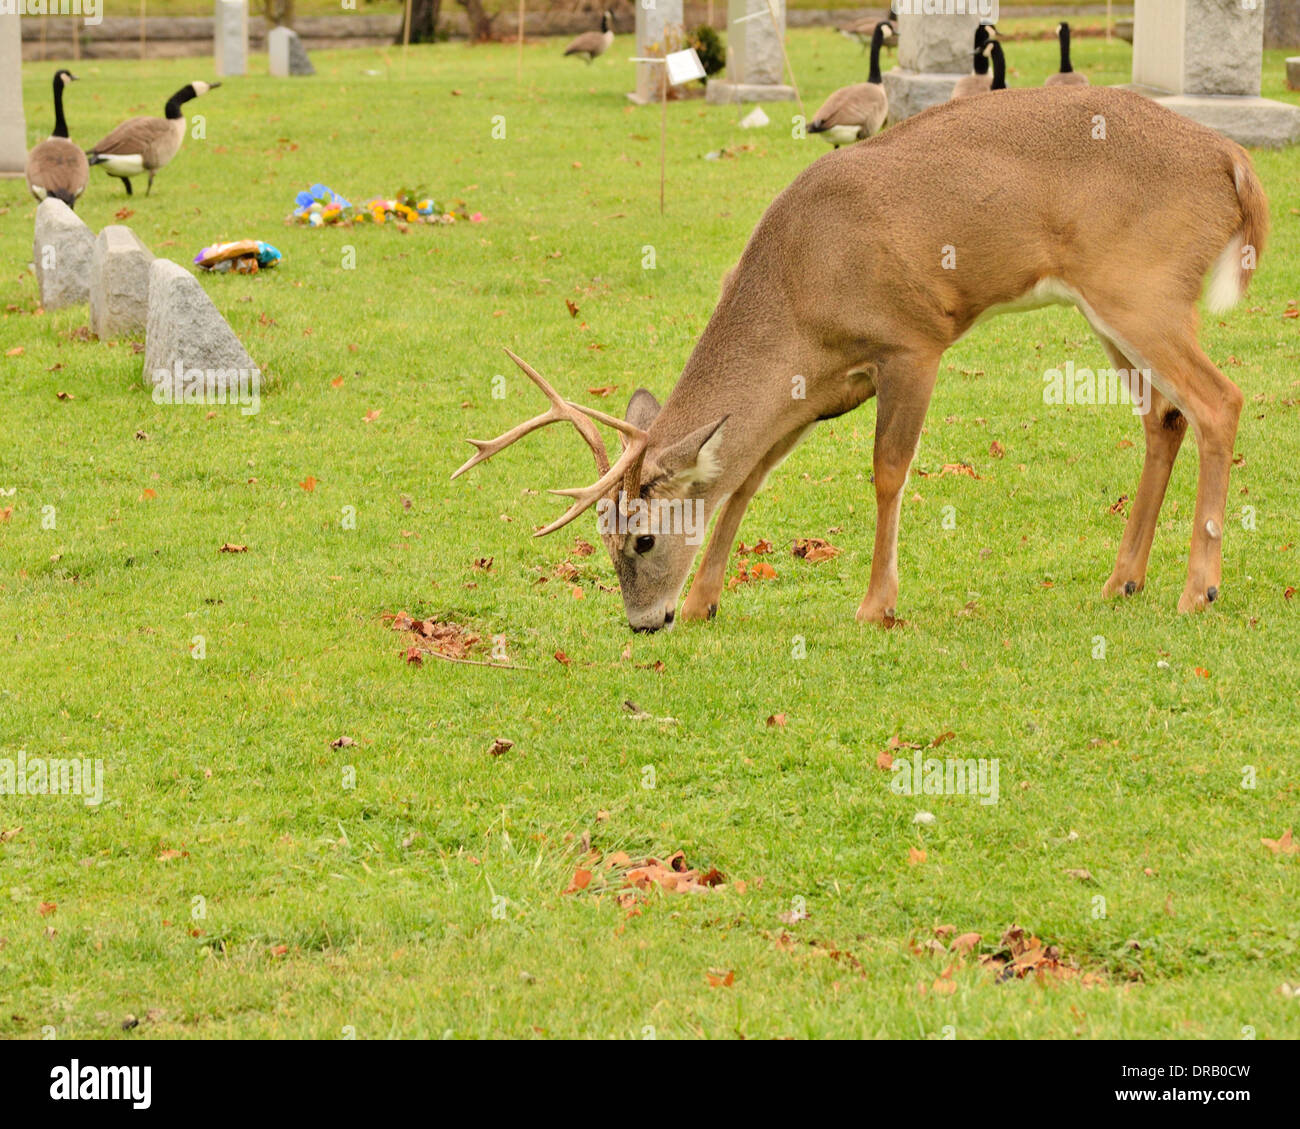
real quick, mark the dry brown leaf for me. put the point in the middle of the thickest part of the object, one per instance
(581, 880)
(815, 549)
(1283, 846)
(501, 745)
(231, 547)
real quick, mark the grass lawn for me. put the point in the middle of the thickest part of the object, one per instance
(232, 883)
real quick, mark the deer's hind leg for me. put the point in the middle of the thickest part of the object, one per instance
(1164, 427)
(1165, 340)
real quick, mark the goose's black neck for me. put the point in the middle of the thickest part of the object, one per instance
(981, 60)
(877, 41)
(177, 100)
(1064, 36)
(60, 122)
(999, 67)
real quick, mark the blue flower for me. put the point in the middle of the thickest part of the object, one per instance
(318, 194)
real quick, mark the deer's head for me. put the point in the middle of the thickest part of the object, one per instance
(652, 504)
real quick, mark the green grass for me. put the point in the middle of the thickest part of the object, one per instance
(324, 908)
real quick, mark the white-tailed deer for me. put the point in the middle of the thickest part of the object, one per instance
(876, 259)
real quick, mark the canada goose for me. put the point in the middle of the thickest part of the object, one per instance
(143, 145)
(992, 50)
(863, 29)
(1067, 76)
(592, 43)
(981, 80)
(57, 167)
(854, 113)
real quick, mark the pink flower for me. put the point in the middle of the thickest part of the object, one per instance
(477, 217)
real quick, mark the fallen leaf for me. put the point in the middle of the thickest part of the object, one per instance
(499, 746)
(562, 658)
(814, 549)
(1283, 846)
(573, 310)
(581, 880)
(230, 547)
(308, 484)
(776, 721)
(721, 980)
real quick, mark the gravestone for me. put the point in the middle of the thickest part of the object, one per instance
(659, 29)
(185, 332)
(1204, 58)
(755, 60)
(1293, 72)
(62, 250)
(288, 55)
(934, 51)
(230, 37)
(13, 125)
(119, 283)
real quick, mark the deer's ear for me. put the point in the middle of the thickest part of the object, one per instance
(642, 409)
(694, 461)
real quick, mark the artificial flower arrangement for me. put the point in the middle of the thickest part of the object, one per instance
(244, 256)
(409, 206)
(319, 206)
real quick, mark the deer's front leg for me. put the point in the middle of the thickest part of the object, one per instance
(902, 397)
(702, 600)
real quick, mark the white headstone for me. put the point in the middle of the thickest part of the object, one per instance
(655, 25)
(13, 125)
(1204, 58)
(62, 250)
(934, 51)
(230, 37)
(756, 63)
(119, 283)
(185, 332)
(288, 55)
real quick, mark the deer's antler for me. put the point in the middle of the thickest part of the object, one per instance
(627, 467)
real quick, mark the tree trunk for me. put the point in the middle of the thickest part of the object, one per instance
(480, 23)
(278, 13)
(424, 21)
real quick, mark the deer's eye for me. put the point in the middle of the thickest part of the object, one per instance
(644, 543)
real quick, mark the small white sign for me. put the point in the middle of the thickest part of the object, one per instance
(683, 66)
